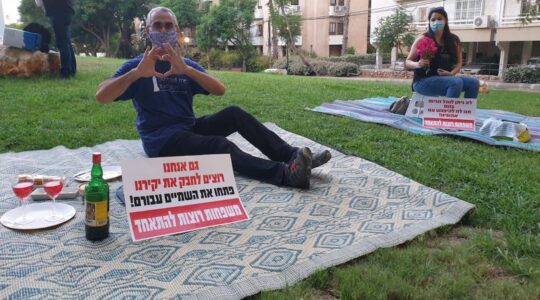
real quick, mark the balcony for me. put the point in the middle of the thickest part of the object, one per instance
(337, 10)
(335, 39)
(298, 41)
(258, 13)
(515, 21)
(257, 40)
(422, 25)
(292, 10)
(295, 9)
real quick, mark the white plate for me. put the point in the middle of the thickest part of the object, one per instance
(109, 172)
(38, 211)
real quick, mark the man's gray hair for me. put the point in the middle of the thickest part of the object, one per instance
(155, 10)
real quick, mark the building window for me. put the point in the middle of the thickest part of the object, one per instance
(336, 28)
(337, 2)
(259, 4)
(422, 14)
(529, 6)
(259, 29)
(294, 2)
(468, 9)
(332, 2)
(332, 28)
(339, 28)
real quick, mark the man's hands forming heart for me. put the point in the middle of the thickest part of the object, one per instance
(146, 67)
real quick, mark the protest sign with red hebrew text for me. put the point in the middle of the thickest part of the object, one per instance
(444, 112)
(170, 195)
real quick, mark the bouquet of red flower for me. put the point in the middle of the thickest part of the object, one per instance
(426, 49)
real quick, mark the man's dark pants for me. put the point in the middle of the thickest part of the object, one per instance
(209, 137)
(60, 24)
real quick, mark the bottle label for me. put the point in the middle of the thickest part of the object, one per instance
(96, 213)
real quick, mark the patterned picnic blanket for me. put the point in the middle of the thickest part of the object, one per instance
(375, 110)
(353, 208)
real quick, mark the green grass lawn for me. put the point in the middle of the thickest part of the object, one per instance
(494, 254)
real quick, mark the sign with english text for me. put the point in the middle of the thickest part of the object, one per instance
(170, 195)
(444, 112)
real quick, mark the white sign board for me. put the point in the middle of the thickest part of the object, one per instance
(444, 112)
(170, 195)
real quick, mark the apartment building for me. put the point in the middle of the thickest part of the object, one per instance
(322, 26)
(1, 22)
(490, 30)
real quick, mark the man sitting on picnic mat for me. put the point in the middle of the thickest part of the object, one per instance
(162, 84)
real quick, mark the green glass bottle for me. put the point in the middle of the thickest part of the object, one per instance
(97, 203)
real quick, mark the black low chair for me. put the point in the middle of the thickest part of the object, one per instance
(44, 32)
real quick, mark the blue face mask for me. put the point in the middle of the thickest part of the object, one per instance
(158, 38)
(436, 26)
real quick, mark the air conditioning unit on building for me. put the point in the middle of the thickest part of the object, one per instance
(339, 8)
(296, 8)
(482, 22)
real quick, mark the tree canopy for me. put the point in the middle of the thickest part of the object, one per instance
(228, 24)
(187, 11)
(394, 30)
(98, 24)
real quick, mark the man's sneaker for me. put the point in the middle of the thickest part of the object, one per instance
(320, 158)
(299, 170)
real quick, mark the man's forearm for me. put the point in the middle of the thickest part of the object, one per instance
(208, 82)
(111, 89)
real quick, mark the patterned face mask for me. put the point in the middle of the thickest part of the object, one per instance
(436, 25)
(158, 38)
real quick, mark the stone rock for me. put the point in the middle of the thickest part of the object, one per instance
(22, 63)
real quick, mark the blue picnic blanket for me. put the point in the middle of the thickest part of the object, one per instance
(375, 110)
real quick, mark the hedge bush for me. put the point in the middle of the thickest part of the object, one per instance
(365, 59)
(343, 69)
(258, 63)
(522, 74)
(231, 59)
(318, 66)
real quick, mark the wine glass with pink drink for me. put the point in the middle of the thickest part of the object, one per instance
(53, 189)
(23, 191)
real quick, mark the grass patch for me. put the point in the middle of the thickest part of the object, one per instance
(496, 256)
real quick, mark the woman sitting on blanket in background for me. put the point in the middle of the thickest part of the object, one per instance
(435, 76)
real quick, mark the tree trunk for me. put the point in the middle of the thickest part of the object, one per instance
(208, 60)
(292, 43)
(274, 34)
(124, 48)
(346, 27)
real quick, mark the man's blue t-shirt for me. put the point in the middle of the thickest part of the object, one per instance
(164, 105)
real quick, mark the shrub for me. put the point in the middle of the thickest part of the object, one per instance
(522, 74)
(215, 58)
(320, 67)
(343, 69)
(350, 51)
(204, 61)
(371, 49)
(281, 63)
(231, 59)
(306, 53)
(359, 60)
(258, 63)
(297, 67)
